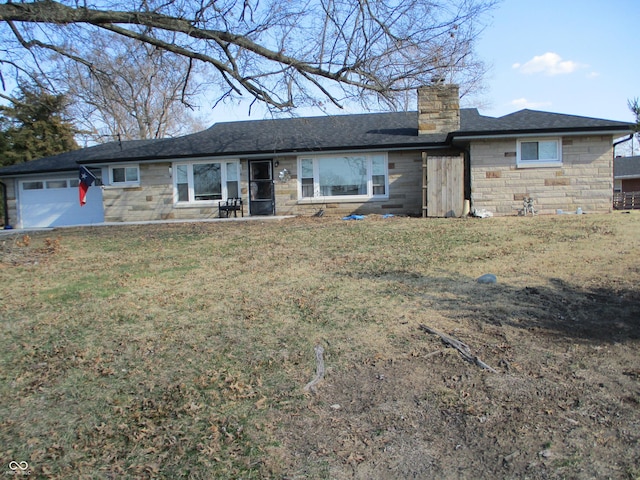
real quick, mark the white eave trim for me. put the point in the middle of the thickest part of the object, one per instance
(626, 177)
(613, 133)
(45, 174)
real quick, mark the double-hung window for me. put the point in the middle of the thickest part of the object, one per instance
(539, 152)
(356, 177)
(199, 182)
(129, 175)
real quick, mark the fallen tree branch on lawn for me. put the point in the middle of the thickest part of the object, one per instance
(462, 348)
(319, 369)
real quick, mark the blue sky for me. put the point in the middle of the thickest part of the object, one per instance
(566, 56)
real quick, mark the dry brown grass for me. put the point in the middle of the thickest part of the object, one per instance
(180, 351)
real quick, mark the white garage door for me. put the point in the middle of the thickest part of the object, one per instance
(54, 202)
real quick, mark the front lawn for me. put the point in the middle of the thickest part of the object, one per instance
(181, 350)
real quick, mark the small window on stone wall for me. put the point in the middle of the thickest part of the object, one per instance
(125, 175)
(541, 152)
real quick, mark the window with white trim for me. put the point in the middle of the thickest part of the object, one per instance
(198, 182)
(358, 176)
(538, 152)
(128, 175)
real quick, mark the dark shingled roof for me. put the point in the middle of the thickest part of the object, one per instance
(626, 167)
(534, 121)
(382, 131)
(290, 135)
(69, 160)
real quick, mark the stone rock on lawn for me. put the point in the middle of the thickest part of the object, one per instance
(487, 278)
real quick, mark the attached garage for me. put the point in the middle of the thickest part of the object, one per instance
(53, 202)
(44, 193)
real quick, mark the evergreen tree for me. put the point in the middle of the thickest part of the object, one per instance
(34, 126)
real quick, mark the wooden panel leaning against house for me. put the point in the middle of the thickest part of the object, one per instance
(445, 186)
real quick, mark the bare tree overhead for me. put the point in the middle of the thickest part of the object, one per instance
(132, 91)
(285, 53)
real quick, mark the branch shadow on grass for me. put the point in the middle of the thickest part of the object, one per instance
(600, 314)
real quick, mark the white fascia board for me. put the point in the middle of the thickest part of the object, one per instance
(45, 174)
(462, 138)
(626, 177)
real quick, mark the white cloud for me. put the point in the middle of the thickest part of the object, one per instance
(593, 75)
(524, 103)
(549, 64)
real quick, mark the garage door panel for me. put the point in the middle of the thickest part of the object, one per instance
(55, 207)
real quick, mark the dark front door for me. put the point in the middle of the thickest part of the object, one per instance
(261, 192)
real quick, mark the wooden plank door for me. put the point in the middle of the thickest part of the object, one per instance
(445, 186)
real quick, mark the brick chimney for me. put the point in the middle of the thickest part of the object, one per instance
(438, 108)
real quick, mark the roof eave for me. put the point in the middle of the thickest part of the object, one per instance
(475, 135)
(37, 172)
(626, 177)
(284, 152)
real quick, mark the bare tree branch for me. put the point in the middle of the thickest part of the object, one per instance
(280, 53)
(133, 90)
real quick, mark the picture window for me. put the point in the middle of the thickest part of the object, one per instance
(206, 181)
(349, 176)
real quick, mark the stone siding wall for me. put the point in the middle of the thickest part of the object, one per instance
(153, 199)
(405, 191)
(12, 205)
(585, 179)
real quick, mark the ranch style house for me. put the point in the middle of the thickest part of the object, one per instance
(439, 161)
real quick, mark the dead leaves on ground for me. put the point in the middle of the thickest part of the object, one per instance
(141, 426)
(23, 250)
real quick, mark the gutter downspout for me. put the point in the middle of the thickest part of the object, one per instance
(615, 144)
(5, 207)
